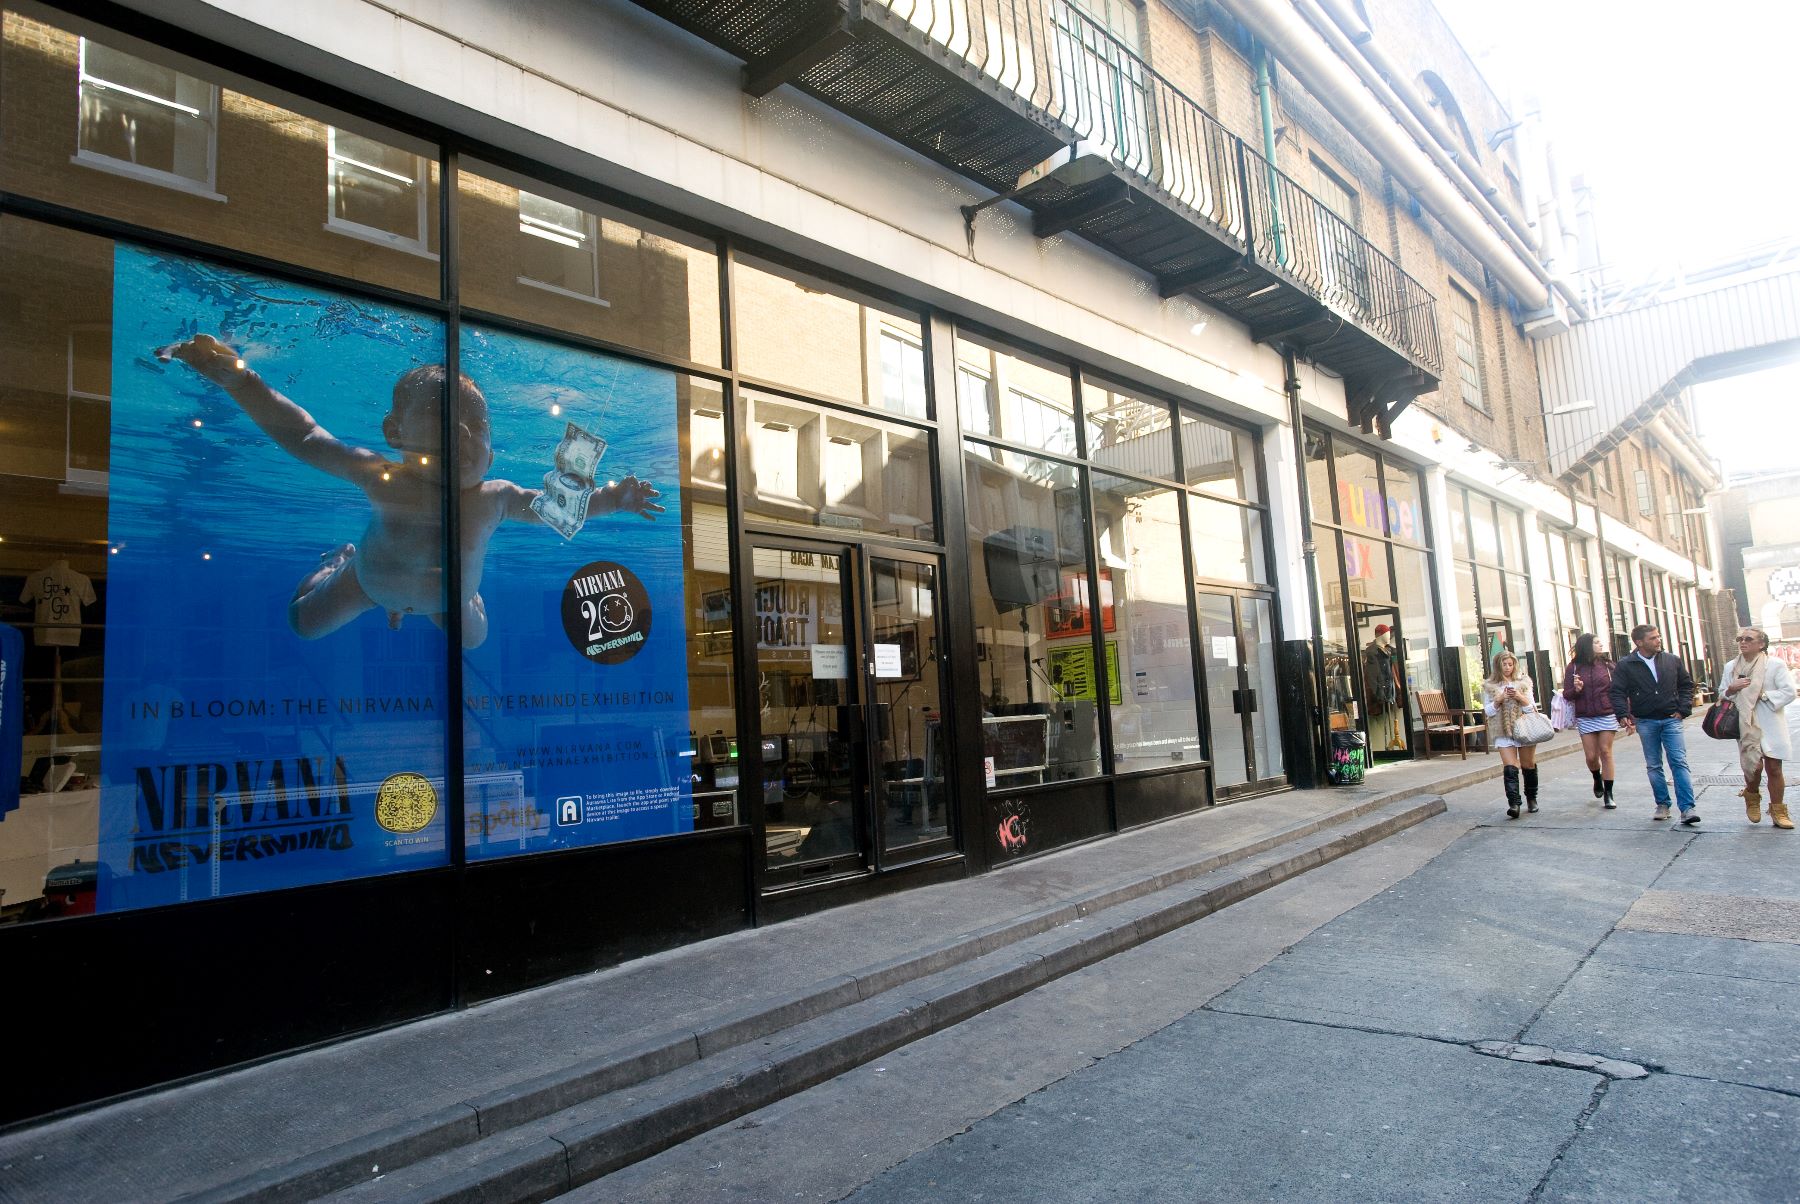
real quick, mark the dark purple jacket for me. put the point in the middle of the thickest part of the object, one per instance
(1595, 698)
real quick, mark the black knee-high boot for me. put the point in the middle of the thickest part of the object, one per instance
(1607, 802)
(1531, 789)
(1512, 791)
(1597, 782)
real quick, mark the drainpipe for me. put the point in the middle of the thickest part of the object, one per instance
(1311, 60)
(1268, 137)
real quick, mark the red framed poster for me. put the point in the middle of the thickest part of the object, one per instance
(1067, 613)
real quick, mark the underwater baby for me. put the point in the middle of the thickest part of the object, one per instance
(397, 565)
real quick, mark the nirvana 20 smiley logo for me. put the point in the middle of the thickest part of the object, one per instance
(606, 612)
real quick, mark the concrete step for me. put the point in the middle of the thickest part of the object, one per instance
(536, 1139)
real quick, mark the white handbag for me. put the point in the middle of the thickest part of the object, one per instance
(1533, 727)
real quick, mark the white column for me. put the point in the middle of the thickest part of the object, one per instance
(1443, 555)
(1293, 594)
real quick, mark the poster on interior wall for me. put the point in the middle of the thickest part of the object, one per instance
(576, 712)
(273, 709)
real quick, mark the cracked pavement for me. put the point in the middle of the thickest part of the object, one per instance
(1579, 1005)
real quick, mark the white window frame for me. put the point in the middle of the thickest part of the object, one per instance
(907, 342)
(207, 116)
(81, 476)
(375, 234)
(1459, 324)
(531, 227)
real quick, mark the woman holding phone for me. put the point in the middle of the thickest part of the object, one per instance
(1506, 695)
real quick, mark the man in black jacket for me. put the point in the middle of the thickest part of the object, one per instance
(1652, 692)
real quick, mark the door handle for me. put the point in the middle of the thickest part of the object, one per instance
(1237, 702)
(1250, 700)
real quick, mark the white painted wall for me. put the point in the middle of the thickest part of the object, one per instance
(603, 89)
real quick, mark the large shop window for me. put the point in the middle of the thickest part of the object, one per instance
(595, 599)
(100, 122)
(1028, 539)
(531, 251)
(796, 330)
(223, 653)
(1149, 670)
(1378, 613)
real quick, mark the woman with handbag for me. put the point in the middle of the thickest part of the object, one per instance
(1761, 687)
(1587, 684)
(1515, 728)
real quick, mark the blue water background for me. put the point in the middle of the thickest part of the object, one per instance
(212, 526)
(534, 389)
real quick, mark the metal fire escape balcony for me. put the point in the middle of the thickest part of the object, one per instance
(998, 89)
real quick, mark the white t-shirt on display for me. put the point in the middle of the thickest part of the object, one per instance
(60, 592)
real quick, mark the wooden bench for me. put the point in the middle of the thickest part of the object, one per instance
(1439, 719)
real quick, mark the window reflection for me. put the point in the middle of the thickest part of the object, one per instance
(1033, 620)
(821, 468)
(1149, 672)
(118, 127)
(563, 261)
(1227, 541)
(1127, 432)
(1028, 400)
(797, 330)
(1218, 459)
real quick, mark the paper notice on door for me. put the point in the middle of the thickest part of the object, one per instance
(887, 660)
(1224, 648)
(830, 662)
(988, 766)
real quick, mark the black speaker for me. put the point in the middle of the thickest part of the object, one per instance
(1021, 566)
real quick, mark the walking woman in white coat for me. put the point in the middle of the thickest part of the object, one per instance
(1762, 687)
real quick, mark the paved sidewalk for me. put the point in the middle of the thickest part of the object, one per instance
(1577, 1005)
(232, 1128)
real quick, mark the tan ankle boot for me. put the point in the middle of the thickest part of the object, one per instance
(1753, 804)
(1778, 814)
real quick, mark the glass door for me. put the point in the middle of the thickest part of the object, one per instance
(808, 751)
(1257, 627)
(906, 718)
(1237, 653)
(1222, 659)
(850, 726)
(1383, 665)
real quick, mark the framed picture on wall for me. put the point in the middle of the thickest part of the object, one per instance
(1067, 615)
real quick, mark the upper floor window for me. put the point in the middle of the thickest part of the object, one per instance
(376, 191)
(1445, 103)
(1338, 196)
(1646, 500)
(144, 119)
(561, 249)
(1117, 17)
(1463, 327)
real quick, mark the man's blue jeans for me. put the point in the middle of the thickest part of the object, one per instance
(1660, 736)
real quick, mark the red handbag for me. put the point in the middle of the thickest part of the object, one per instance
(1721, 721)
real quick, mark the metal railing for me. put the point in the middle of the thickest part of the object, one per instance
(1086, 84)
(1301, 236)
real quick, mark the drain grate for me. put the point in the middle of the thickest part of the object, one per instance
(1719, 779)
